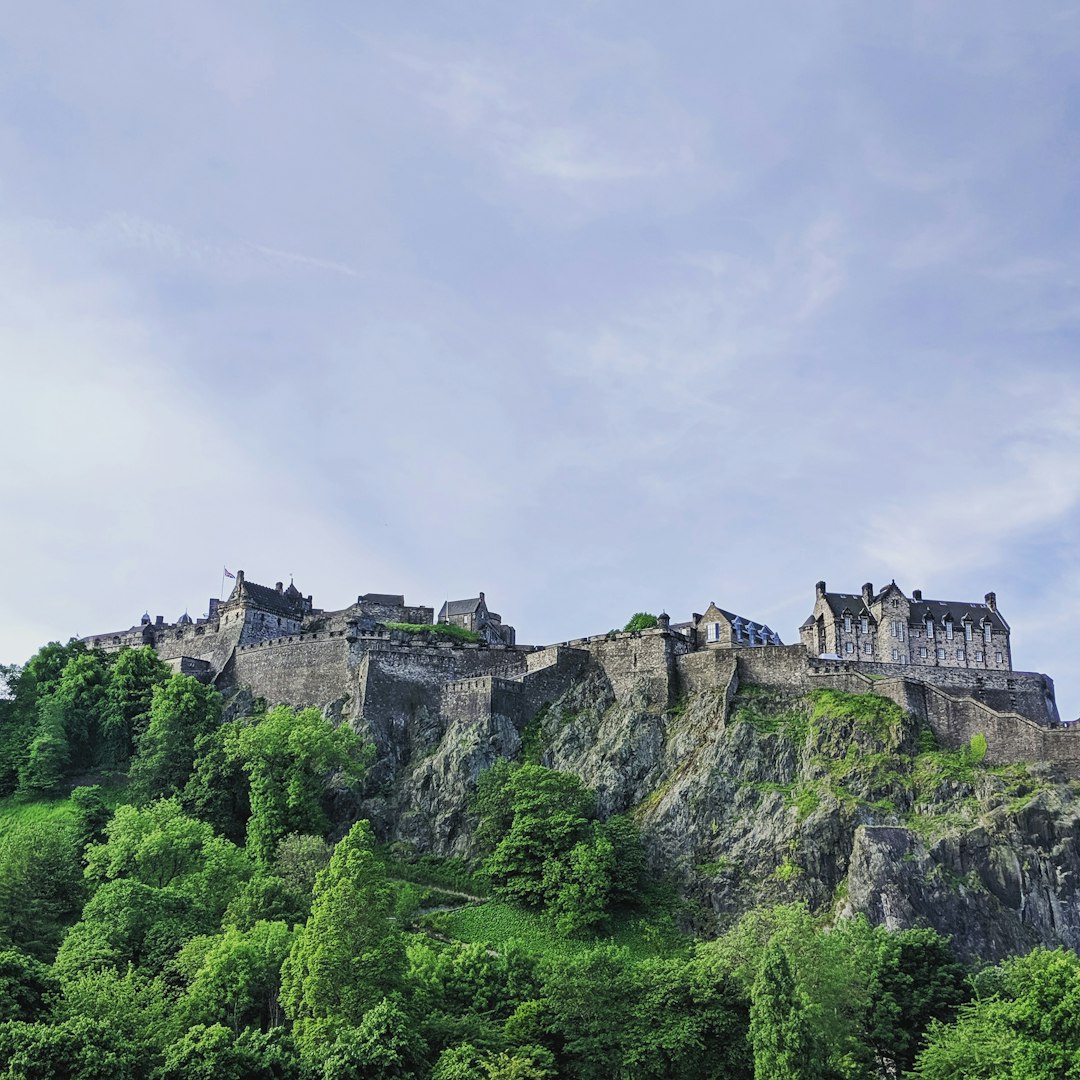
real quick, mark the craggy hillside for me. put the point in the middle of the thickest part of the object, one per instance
(842, 801)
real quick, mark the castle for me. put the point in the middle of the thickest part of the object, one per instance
(374, 663)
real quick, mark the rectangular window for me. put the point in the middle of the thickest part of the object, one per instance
(849, 647)
(998, 658)
(978, 656)
(864, 625)
(948, 630)
(847, 623)
(967, 631)
(941, 654)
(867, 648)
(930, 629)
(986, 633)
(922, 653)
(895, 654)
(959, 654)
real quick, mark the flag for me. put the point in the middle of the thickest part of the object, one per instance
(229, 573)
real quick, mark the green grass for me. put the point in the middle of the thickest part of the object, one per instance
(447, 630)
(445, 873)
(495, 924)
(18, 810)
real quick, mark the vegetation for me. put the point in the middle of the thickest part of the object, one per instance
(447, 630)
(642, 620)
(202, 922)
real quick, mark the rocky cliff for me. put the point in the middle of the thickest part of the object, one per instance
(750, 796)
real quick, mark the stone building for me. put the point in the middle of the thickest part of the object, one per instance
(718, 628)
(475, 615)
(891, 628)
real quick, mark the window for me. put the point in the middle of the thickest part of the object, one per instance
(849, 647)
(898, 631)
(948, 629)
(847, 623)
(959, 654)
(922, 653)
(986, 633)
(998, 658)
(930, 629)
(894, 602)
(941, 654)
(895, 654)
(867, 648)
(864, 625)
(967, 631)
(978, 656)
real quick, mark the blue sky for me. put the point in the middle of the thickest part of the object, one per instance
(596, 307)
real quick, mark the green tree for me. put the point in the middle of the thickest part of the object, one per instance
(289, 758)
(214, 1052)
(181, 711)
(48, 754)
(132, 679)
(782, 1024)
(235, 979)
(27, 987)
(642, 620)
(218, 790)
(1024, 1026)
(78, 1049)
(350, 953)
(383, 1046)
(80, 698)
(92, 814)
(41, 887)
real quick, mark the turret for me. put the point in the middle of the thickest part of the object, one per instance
(663, 621)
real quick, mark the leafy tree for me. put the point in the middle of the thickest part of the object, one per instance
(27, 988)
(299, 858)
(92, 814)
(41, 887)
(549, 851)
(77, 1049)
(915, 979)
(218, 789)
(288, 757)
(79, 699)
(266, 898)
(48, 754)
(1026, 1027)
(132, 679)
(181, 711)
(213, 1052)
(236, 980)
(383, 1046)
(642, 620)
(782, 1028)
(349, 954)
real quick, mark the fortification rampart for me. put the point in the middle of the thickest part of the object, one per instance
(300, 670)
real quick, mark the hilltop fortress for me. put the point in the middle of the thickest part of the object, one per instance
(375, 664)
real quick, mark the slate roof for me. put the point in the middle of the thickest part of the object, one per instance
(388, 599)
(760, 629)
(920, 609)
(271, 600)
(459, 607)
(938, 609)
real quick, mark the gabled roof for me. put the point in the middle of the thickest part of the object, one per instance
(849, 603)
(738, 622)
(267, 599)
(938, 610)
(459, 607)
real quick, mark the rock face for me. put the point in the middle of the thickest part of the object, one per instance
(749, 795)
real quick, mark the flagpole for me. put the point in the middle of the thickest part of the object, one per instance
(222, 589)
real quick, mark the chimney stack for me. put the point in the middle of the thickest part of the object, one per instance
(820, 586)
(278, 586)
(239, 578)
(991, 601)
(868, 593)
(916, 594)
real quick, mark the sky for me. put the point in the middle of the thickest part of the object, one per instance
(597, 307)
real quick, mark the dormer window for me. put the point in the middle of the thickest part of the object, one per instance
(847, 624)
(864, 624)
(967, 630)
(986, 632)
(930, 629)
(949, 629)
